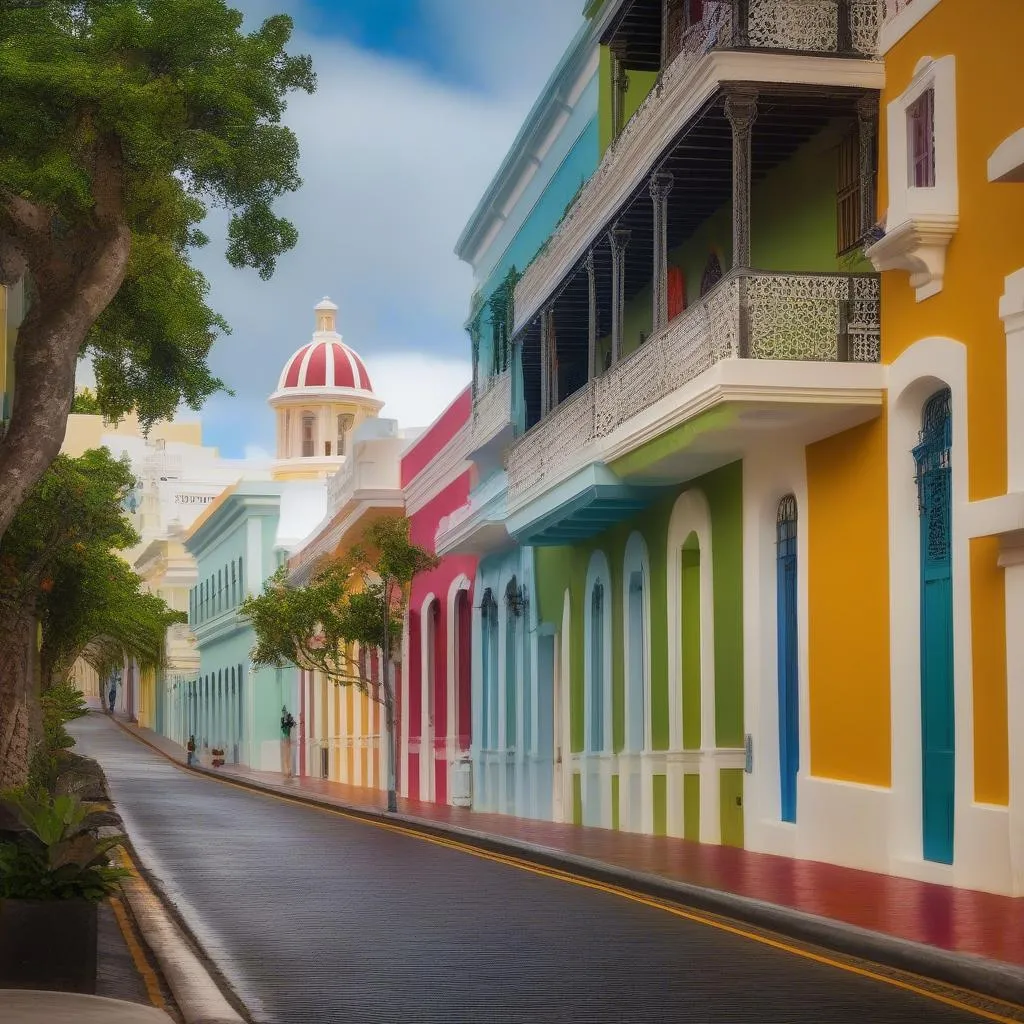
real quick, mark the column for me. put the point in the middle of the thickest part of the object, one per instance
(660, 187)
(867, 129)
(741, 110)
(618, 239)
(592, 369)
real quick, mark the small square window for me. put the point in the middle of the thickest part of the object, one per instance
(921, 140)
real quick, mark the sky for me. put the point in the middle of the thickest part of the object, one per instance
(417, 105)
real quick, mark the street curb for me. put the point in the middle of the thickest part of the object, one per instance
(965, 970)
(195, 992)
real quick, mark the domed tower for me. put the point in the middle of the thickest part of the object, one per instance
(324, 393)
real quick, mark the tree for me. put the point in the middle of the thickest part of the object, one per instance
(85, 401)
(59, 569)
(121, 121)
(356, 603)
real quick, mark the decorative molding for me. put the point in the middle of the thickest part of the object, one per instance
(443, 470)
(1007, 160)
(917, 246)
(921, 221)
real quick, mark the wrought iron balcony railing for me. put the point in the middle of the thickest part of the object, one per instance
(748, 315)
(846, 27)
(492, 409)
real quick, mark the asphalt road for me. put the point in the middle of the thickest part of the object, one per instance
(317, 918)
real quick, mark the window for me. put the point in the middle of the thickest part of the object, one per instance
(234, 593)
(308, 448)
(241, 578)
(327, 447)
(344, 426)
(921, 140)
(848, 194)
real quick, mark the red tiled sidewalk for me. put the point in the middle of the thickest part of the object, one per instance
(957, 920)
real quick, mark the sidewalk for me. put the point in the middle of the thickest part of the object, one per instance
(968, 938)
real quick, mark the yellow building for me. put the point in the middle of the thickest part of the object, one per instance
(916, 519)
(341, 729)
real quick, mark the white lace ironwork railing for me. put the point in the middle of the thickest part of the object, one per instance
(793, 25)
(493, 408)
(816, 317)
(553, 443)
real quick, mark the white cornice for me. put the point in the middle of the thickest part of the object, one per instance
(918, 246)
(1007, 161)
(441, 471)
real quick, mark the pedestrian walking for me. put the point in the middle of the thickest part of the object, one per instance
(191, 750)
(287, 724)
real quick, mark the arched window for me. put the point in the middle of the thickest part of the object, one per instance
(489, 657)
(596, 681)
(308, 440)
(512, 612)
(788, 654)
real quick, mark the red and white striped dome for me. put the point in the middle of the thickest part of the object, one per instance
(326, 361)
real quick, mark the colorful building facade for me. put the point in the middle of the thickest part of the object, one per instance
(341, 727)
(251, 530)
(436, 692)
(754, 472)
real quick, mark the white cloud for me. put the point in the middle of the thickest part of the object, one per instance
(393, 163)
(416, 388)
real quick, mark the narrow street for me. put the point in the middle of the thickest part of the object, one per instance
(314, 918)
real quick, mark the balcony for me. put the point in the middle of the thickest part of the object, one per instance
(492, 411)
(478, 527)
(756, 49)
(787, 348)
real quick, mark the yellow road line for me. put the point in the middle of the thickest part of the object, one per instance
(141, 961)
(566, 876)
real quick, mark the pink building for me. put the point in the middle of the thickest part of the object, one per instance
(435, 688)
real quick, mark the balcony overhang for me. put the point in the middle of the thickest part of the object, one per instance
(585, 505)
(478, 527)
(733, 410)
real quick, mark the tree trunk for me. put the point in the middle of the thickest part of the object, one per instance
(19, 697)
(45, 358)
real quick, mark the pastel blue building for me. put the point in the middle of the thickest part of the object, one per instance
(237, 545)
(554, 155)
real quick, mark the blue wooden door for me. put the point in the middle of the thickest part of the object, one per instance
(938, 758)
(788, 672)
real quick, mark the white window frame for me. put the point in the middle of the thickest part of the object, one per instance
(920, 222)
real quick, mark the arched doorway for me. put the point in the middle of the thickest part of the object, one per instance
(788, 664)
(938, 758)
(462, 662)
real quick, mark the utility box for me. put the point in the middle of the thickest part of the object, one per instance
(462, 781)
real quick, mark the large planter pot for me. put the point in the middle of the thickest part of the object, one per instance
(48, 944)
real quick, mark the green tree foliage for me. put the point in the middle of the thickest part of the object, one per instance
(359, 602)
(59, 560)
(85, 401)
(121, 123)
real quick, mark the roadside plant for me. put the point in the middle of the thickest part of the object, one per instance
(58, 856)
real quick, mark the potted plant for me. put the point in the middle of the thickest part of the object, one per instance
(218, 756)
(51, 879)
